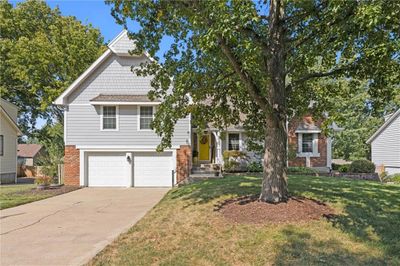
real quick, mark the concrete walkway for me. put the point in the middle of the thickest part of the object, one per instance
(71, 228)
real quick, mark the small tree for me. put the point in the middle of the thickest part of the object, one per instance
(262, 59)
(51, 137)
(41, 54)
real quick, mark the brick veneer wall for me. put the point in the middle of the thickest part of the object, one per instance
(183, 162)
(71, 165)
(322, 144)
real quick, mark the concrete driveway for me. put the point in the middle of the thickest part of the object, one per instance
(71, 228)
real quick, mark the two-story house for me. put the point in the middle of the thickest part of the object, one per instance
(109, 142)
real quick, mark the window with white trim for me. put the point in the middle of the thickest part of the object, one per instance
(307, 143)
(146, 117)
(1, 145)
(109, 120)
(233, 141)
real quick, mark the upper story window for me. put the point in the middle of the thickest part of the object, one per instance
(146, 117)
(109, 118)
(233, 141)
(1, 145)
(307, 143)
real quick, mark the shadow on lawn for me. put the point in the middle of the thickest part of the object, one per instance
(301, 248)
(371, 211)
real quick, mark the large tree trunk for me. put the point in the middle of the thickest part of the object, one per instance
(274, 187)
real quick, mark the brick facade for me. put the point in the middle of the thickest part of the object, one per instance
(293, 144)
(183, 162)
(71, 165)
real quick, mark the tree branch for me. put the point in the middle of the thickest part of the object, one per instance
(317, 75)
(246, 79)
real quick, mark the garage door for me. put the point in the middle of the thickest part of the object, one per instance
(152, 169)
(108, 170)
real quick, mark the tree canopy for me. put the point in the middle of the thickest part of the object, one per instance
(358, 119)
(41, 54)
(263, 59)
(221, 50)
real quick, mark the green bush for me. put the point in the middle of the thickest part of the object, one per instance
(232, 160)
(233, 154)
(301, 170)
(362, 166)
(43, 180)
(395, 178)
(231, 166)
(255, 167)
(344, 168)
(335, 166)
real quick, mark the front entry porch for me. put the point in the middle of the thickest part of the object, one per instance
(207, 148)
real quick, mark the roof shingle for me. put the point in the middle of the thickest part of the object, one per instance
(28, 150)
(122, 98)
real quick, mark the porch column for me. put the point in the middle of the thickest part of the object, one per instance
(218, 150)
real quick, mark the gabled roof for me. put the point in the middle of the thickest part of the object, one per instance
(384, 126)
(28, 150)
(10, 120)
(120, 46)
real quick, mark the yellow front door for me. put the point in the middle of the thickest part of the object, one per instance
(204, 148)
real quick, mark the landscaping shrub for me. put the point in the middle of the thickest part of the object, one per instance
(395, 178)
(255, 167)
(231, 166)
(336, 166)
(301, 170)
(362, 166)
(233, 154)
(43, 180)
(344, 168)
(233, 161)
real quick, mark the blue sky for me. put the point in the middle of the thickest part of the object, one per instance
(93, 12)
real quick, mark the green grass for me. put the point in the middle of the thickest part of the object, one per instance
(14, 195)
(184, 229)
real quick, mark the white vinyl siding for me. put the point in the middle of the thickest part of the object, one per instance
(113, 76)
(385, 148)
(83, 125)
(123, 45)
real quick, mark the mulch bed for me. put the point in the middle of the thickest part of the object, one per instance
(249, 210)
(53, 191)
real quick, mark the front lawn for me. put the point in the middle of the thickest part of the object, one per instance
(14, 195)
(184, 228)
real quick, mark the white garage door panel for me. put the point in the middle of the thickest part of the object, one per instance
(108, 170)
(152, 169)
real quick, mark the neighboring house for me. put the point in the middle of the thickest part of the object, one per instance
(108, 140)
(9, 133)
(29, 154)
(385, 145)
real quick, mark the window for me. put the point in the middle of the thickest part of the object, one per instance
(1, 145)
(233, 142)
(146, 117)
(109, 120)
(307, 143)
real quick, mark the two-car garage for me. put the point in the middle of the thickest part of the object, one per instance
(127, 169)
